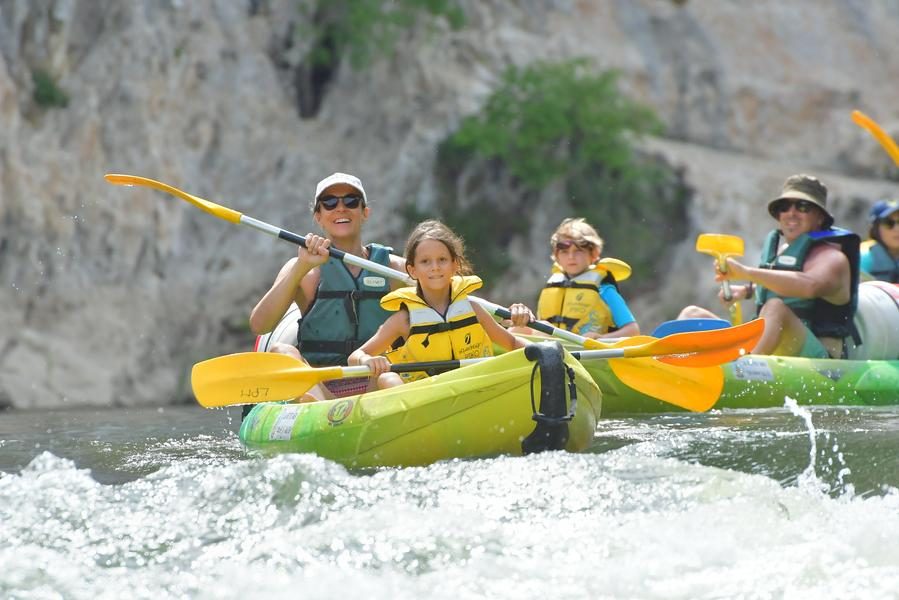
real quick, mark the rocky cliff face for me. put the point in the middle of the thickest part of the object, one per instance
(108, 294)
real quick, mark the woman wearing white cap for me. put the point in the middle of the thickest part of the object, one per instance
(340, 304)
(880, 254)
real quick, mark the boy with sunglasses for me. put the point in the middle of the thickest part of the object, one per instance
(880, 254)
(806, 286)
(339, 304)
(581, 294)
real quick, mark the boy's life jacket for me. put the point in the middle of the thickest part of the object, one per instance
(573, 303)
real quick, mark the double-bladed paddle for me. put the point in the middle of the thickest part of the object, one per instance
(707, 381)
(254, 377)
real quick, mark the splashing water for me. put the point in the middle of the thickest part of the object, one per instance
(183, 512)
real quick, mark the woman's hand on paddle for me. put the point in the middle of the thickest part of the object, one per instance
(316, 251)
(521, 315)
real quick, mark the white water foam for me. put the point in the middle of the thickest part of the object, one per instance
(622, 524)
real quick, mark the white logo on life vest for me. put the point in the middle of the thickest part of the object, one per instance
(371, 281)
(786, 260)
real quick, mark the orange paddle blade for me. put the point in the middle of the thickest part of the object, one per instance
(886, 142)
(692, 348)
(694, 389)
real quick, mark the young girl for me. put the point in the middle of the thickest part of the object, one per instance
(581, 294)
(435, 317)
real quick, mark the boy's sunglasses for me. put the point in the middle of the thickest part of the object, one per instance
(783, 205)
(565, 245)
(889, 223)
(351, 201)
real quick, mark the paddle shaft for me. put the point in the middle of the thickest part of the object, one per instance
(669, 348)
(427, 366)
(449, 365)
(736, 313)
(358, 261)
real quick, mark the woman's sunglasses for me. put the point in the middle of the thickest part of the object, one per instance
(889, 223)
(783, 205)
(350, 201)
(565, 245)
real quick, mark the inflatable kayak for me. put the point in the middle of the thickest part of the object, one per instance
(522, 402)
(869, 377)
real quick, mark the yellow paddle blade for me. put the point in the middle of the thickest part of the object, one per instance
(692, 348)
(886, 142)
(212, 208)
(694, 389)
(720, 245)
(619, 269)
(253, 377)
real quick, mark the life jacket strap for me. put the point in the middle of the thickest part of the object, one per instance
(563, 322)
(427, 330)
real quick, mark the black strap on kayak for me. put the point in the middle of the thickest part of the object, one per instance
(551, 431)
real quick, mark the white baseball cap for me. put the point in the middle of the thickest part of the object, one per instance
(334, 179)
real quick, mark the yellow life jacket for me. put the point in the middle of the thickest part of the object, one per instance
(574, 303)
(433, 336)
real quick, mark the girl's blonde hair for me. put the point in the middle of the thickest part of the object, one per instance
(577, 230)
(437, 231)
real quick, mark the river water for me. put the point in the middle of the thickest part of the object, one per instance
(164, 503)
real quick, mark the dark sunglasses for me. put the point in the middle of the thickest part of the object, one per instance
(565, 245)
(889, 223)
(351, 201)
(783, 205)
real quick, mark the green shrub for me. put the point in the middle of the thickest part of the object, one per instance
(362, 29)
(547, 121)
(562, 124)
(47, 93)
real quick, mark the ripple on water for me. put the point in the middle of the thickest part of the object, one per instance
(624, 523)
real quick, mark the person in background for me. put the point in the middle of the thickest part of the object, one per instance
(435, 317)
(581, 294)
(880, 254)
(340, 304)
(806, 286)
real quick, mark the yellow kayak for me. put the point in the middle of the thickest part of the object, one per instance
(538, 398)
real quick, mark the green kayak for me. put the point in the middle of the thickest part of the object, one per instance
(756, 381)
(870, 377)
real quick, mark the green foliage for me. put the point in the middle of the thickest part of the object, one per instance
(47, 93)
(559, 124)
(550, 120)
(361, 29)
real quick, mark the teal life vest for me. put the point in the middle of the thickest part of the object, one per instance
(345, 312)
(821, 317)
(883, 266)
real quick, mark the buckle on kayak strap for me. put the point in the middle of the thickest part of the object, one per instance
(551, 431)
